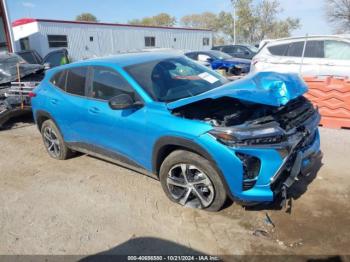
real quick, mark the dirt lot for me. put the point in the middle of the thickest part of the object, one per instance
(86, 206)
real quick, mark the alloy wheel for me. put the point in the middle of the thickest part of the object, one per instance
(51, 142)
(190, 186)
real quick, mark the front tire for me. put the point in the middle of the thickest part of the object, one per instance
(190, 180)
(53, 141)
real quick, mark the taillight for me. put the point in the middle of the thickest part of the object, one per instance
(31, 94)
(255, 61)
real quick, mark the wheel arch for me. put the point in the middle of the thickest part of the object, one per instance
(168, 144)
(41, 116)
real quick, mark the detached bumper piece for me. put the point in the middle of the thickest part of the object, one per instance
(301, 161)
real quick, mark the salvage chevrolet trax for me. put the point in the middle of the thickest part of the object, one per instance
(166, 116)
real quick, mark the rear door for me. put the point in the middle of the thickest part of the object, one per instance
(288, 57)
(68, 102)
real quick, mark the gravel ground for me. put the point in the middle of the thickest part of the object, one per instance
(85, 206)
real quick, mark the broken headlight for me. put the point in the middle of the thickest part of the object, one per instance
(248, 136)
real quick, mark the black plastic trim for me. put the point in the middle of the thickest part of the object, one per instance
(160, 152)
(109, 156)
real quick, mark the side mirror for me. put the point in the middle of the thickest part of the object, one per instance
(123, 101)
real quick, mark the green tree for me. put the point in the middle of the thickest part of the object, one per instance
(162, 19)
(254, 22)
(206, 20)
(338, 14)
(88, 17)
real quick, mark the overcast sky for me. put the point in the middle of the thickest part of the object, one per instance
(310, 12)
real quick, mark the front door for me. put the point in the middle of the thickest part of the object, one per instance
(113, 131)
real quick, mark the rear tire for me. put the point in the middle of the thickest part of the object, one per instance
(190, 180)
(53, 141)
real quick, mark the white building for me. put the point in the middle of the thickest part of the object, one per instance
(86, 40)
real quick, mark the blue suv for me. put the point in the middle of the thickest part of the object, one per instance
(168, 117)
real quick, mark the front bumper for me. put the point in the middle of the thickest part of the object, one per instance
(277, 169)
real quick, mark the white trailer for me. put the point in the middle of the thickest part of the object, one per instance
(87, 40)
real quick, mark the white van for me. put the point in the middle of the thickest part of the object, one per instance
(310, 56)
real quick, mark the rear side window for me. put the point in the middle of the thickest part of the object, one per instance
(76, 79)
(228, 49)
(314, 49)
(279, 50)
(296, 49)
(107, 83)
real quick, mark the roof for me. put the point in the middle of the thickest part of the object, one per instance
(25, 21)
(308, 37)
(124, 60)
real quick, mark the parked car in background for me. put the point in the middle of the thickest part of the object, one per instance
(52, 59)
(240, 51)
(220, 60)
(165, 115)
(323, 55)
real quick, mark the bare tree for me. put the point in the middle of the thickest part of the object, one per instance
(338, 13)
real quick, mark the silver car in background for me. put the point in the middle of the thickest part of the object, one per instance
(309, 56)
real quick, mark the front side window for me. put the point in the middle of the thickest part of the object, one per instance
(56, 58)
(239, 50)
(57, 41)
(76, 78)
(150, 41)
(107, 83)
(174, 78)
(337, 50)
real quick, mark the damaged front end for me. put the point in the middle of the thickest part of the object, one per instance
(274, 143)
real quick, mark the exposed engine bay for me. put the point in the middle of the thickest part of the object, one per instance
(229, 112)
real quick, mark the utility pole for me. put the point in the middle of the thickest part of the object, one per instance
(234, 20)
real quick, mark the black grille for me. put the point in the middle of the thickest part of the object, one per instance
(295, 113)
(249, 184)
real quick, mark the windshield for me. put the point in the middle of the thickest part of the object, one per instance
(174, 78)
(219, 55)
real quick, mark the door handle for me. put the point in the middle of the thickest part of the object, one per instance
(94, 110)
(54, 101)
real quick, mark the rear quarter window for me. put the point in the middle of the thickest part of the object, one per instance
(59, 80)
(278, 50)
(76, 80)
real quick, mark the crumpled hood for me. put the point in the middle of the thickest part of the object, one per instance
(268, 88)
(8, 68)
